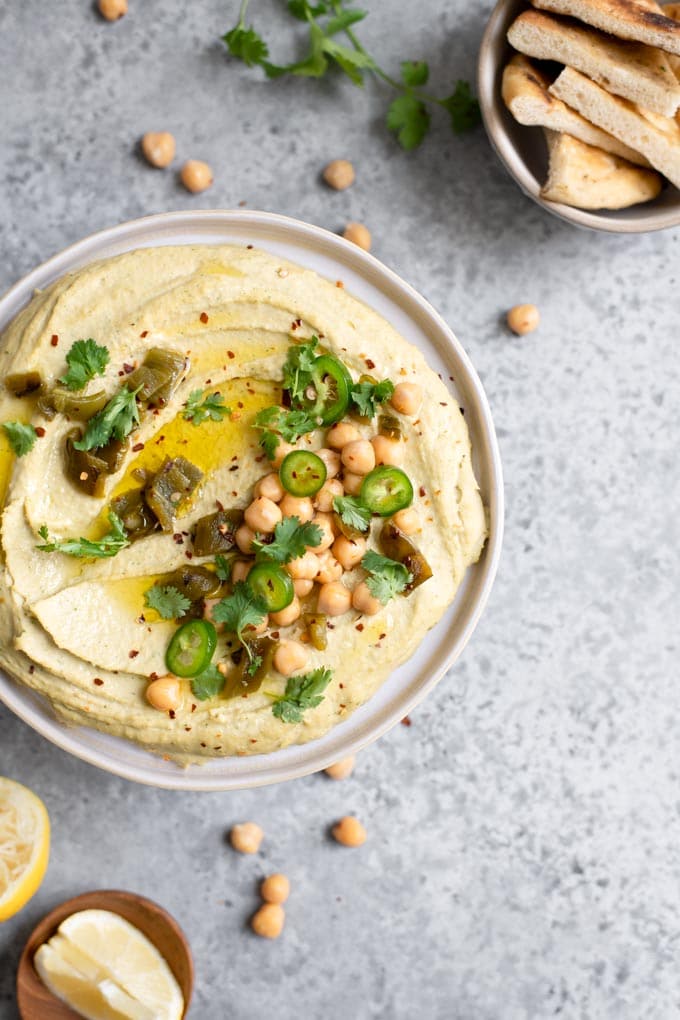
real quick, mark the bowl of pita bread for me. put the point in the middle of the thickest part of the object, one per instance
(581, 100)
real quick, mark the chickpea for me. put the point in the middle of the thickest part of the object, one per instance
(358, 234)
(158, 148)
(339, 174)
(302, 586)
(294, 506)
(286, 616)
(112, 9)
(245, 537)
(364, 602)
(304, 568)
(358, 457)
(349, 831)
(523, 319)
(325, 522)
(240, 570)
(282, 450)
(388, 451)
(270, 487)
(341, 769)
(165, 694)
(327, 493)
(329, 568)
(259, 628)
(275, 888)
(246, 837)
(348, 551)
(352, 483)
(331, 459)
(262, 514)
(407, 398)
(407, 520)
(334, 599)
(268, 921)
(341, 434)
(289, 657)
(196, 176)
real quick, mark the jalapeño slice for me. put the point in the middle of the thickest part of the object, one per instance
(191, 648)
(327, 394)
(302, 473)
(273, 585)
(385, 490)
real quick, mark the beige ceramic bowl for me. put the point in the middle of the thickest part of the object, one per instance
(523, 151)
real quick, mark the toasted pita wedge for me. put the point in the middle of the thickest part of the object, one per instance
(590, 178)
(656, 137)
(526, 95)
(639, 20)
(637, 72)
(673, 11)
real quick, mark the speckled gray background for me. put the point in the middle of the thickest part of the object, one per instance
(523, 859)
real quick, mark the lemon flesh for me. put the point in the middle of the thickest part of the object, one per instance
(24, 846)
(92, 1001)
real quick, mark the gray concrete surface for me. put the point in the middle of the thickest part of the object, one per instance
(523, 860)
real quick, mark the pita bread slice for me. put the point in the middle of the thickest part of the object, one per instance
(673, 11)
(526, 95)
(656, 137)
(637, 72)
(639, 20)
(589, 178)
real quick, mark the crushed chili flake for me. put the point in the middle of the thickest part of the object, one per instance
(203, 745)
(442, 403)
(276, 635)
(144, 334)
(133, 653)
(249, 246)
(193, 707)
(253, 740)
(382, 636)
(421, 490)
(220, 506)
(189, 555)
(188, 729)
(55, 340)
(121, 373)
(31, 669)
(128, 369)
(230, 354)
(208, 382)
(153, 676)
(462, 410)
(406, 721)
(171, 713)
(359, 626)
(203, 316)
(339, 283)
(98, 681)
(40, 431)
(258, 460)
(178, 538)
(137, 447)
(293, 326)
(240, 404)
(370, 363)
(341, 686)
(218, 748)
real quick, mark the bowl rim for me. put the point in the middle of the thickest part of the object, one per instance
(489, 102)
(89, 249)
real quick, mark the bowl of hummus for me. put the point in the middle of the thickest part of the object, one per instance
(252, 499)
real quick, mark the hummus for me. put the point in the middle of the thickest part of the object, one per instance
(76, 630)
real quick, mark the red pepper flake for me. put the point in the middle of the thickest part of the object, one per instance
(189, 555)
(133, 653)
(203, 745)
(343, 707)
(406, 721)
(187, 729)
(234, 493)
(177, 538)
(40, 431)
(276, 635)
(153, 676)
(242, 203)
(230, 354)
(193, 707)
(98, 681)
(421, 490)
(249, 247)
(218, 748)
(55, 340)
(341, 686)
(137, 447)
(258, 460)
(340, 284)
(331, 626)
(220, 506)
(369, 363)
(359, 626)
(128, 369)
(442, 403)
(382, 636)
(144, 335)
(253, 740)
(31, 669)
(293, 326)
(121, 373)
(240, 404)
(207, 383)
(171, 713)
(462, 411)
(203, 316)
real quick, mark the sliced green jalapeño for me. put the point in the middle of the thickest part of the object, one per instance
(326, 396)
(302, 473)
(191, 648)
(273, 585)
(385, 490)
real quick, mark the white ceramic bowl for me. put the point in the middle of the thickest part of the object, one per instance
(416, 320)
(523, 150)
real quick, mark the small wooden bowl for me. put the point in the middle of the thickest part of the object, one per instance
(37, 1003)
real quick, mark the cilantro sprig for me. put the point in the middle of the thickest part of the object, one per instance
(83, 548)
(386, 577)
(115, 421)
(352, 512)
(238, 611)
(208, 683)
(85, 360)
(408, 116)
(367, 396)
(223, 567)
(168, 602)
(199, 409)
(298, 367)
(277, 424)
(291, 539)
(302, 692)
(21, 437)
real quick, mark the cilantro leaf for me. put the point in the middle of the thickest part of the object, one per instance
(168, 602)
(83, 548)
(240, 610)
(115, 421)
(245, 44)
(208, 683)
(298, 366)
(302, 692)
(291, 539)
(386, 578)
(269, 441)
(352, 513)
(409, 118)
(254, 664)
(290, 425)
(414, 73)
(222, 567)
(352, 62)
(463, 108)
(344, 20)
(299, 9)
(85, 360)
(21, 437)
(366, 396)
(213, 408)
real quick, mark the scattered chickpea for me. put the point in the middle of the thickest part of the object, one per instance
(112, 9)
(327, 493)
(339, 174)
(208, 607)
(358, 457)
(407, 520)
(196, 176)
(246, 837)
(348, 551)
(275, 888)
(331, 459)
(286, 616)
(329, 568)
(325, 522)
(282, 450)
(263, 514)
(523, 319)
(358, 234)
(304, 568)
(165, 694)
(407, 398)
(334, 599)
(270, 487)
(245, 537)
(349, 831)
(342, 433)
(302, 586)
(289, 657)
(352, 483)
(364, 602)
(158, 148)
(268, 921)
(388, 451)
(240, 571)
(294, 506)
(341, 769)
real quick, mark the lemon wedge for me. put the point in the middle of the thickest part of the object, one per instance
(24, 846)
(103, 1001)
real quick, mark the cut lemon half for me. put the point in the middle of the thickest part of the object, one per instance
(24, 846)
